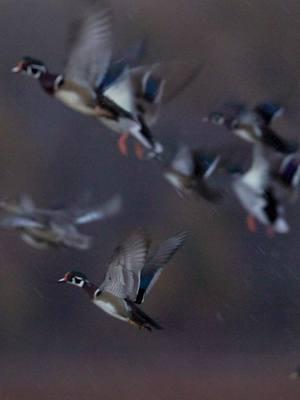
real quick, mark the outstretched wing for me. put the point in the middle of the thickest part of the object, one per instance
(91, 48)
(176, 76)
(107, 209)
(156, 262)
(19, 222)
(123, 275)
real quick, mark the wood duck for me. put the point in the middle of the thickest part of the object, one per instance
(45, 228)
(254, 126)
(131, 274)
(257, 195)
(189, 170)
(91, 84)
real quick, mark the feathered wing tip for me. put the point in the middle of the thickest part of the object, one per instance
(269, 111)
(111, 207)
(177, 76)
(133, 54)
(142, 319)
(168, 248)
(156, 262)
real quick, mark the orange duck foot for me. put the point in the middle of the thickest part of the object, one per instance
(251, 223)
(122, 144)
(139, 151)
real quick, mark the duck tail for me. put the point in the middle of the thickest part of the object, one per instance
(142, 319)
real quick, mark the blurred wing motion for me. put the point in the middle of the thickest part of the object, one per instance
(110, 208)
(156, 262)
(158, 84)
(15, 221)
(91, 47)
(176, 75)
(24, 205)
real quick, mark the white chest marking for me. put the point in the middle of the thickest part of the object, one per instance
(74, 101)
(243, 134)
(109, 308)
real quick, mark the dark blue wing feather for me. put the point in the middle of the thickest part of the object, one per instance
(268, 111)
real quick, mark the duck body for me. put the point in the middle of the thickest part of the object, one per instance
(189, 170)
(77, 98)
(112, 305)
(256, 194)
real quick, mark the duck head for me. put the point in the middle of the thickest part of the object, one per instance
(74, 278)
(31, 67)
(215, 118)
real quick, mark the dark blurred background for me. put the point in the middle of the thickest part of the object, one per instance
(229, 301)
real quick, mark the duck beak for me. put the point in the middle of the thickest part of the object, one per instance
(18, 67)
(62, 280)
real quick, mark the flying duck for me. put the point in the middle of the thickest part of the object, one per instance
(45, 228)
(189, 170)
(256, 194)
(90, 83)
(254, 126)
(131, 274)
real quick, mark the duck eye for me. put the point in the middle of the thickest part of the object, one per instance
(34, 70)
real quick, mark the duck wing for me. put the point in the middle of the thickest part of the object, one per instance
(123, 274)
(90, 48)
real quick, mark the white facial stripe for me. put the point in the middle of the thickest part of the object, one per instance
(77, 281)
(58, 81)
(35, 70)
